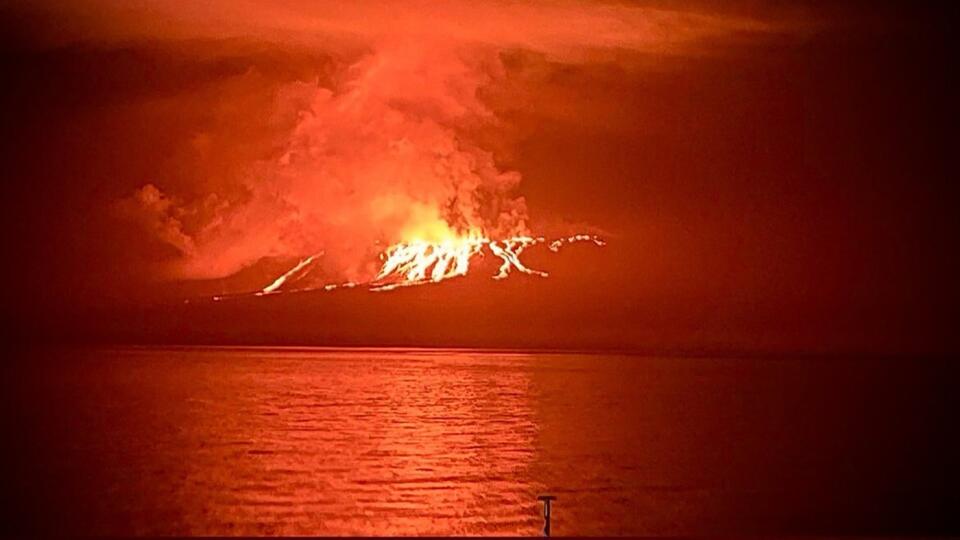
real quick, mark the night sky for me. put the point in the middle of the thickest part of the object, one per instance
(768, 176)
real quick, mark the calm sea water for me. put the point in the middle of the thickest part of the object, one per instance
(253, 441)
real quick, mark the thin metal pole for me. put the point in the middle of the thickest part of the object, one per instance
(546, 499)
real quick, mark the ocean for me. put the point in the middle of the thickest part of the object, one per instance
(222, 441)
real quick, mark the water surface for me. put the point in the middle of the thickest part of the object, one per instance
(313, 441)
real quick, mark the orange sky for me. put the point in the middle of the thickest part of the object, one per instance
(768, 178)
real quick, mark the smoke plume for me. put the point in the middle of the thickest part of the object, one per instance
(380, 158)
(384, 151)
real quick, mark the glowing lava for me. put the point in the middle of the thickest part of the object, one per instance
(421, 262)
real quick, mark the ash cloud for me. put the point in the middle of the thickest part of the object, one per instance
(381, 157)
(384, 149)
(565, 29)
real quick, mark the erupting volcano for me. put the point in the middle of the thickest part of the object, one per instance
(387, 160)
(419, 262)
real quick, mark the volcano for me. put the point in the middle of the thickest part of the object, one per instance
(420, 263)
(523, 310)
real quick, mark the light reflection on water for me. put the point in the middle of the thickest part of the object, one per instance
(329, 442)
(365, 443)
(240, 441)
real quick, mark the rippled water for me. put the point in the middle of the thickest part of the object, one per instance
(251, 441)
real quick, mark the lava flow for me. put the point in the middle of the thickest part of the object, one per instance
(420, 262)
